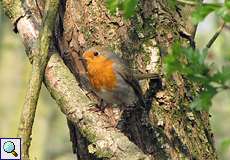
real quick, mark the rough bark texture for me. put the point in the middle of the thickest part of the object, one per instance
(175, 131)
(167, 128)
(39, 63)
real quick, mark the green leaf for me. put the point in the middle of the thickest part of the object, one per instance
(172, 59)
(191, 64)
(204, 100)
(225, 144)
(203, 11)
(203, 56)
(129, 7)
(227, 4)
(224, 12)
(126, 6)
(112, 5)
(222, 76)
(186, 61)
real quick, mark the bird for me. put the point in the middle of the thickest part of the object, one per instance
(111, 79)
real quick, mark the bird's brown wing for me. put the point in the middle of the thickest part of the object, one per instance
(127, 75)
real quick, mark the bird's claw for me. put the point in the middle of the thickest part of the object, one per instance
(93, 104)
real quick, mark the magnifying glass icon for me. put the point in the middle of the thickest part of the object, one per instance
(9, 147)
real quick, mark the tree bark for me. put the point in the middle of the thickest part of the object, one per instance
(167, 128)
(40, 59)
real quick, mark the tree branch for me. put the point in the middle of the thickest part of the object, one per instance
(13, 9)
(177, 133)
(214, 37)
(104, 141)
(75, 105)
(40, 58)
(187, 2)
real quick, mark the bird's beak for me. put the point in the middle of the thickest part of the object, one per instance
(84, 60)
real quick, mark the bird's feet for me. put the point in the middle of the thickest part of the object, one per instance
(110, 113)
(98, 107)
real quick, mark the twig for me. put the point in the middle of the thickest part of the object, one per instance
(39, 10)
(214, 37)
(187, 2)
(40, 60)
(147, 76)
(194, 32)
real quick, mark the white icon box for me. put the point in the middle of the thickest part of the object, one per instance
(10, 148)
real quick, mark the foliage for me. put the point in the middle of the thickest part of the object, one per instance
(225, 144)
(195, 67)
(191, 64)
(126, 6)
(205, 9)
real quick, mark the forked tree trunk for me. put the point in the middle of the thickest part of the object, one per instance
(167, 128)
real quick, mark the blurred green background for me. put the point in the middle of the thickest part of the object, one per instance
(50, 139)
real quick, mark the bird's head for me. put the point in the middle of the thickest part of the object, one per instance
(96, 54)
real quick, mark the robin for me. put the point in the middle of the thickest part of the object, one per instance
(111, 79)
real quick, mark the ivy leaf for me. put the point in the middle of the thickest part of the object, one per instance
(203, 11)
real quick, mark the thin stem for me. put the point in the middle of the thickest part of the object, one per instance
(194, 32)
(214, 37)
(147, 76)
(187, 2)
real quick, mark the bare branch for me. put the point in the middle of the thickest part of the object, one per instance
(40, 60)
(187, 2)
(147, 76)
(13, 9)
(214, 37)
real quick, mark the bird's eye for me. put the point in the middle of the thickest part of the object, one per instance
(95, 53)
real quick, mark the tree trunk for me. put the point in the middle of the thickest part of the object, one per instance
(167, 128)
(177, 131)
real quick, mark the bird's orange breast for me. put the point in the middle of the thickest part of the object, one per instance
(101, 74)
